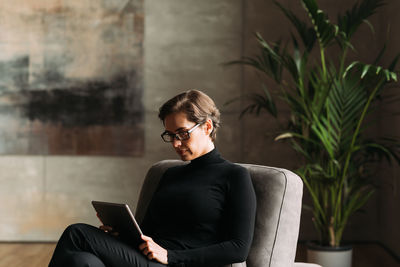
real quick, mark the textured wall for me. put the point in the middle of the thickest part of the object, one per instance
(389, 124)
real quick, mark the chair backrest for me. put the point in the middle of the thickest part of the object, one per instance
(279, 197)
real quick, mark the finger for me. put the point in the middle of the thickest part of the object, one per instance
(145, 251)
(106, 228)
(142, 246)
(145, 248)
(146, 238)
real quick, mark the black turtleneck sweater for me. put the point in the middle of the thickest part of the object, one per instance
(203, 213)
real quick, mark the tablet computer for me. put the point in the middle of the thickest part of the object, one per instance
(120, 218)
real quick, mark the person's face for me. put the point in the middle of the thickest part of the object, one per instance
(199, 142)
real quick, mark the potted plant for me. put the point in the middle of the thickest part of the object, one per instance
(330, 99)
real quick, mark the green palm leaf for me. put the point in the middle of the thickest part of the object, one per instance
(325, 30)
(269, 61)
(345, 104)
(373, 70)
(259, 102)
(306, 33)
(358, 14)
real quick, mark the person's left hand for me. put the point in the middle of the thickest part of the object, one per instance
(153, 251)
(108, 229)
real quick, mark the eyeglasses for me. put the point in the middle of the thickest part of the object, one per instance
(180, 136)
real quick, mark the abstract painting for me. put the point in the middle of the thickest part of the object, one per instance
(71, 77)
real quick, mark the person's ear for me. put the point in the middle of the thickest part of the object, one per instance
(209, 126)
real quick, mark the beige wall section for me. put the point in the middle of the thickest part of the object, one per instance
(21, 196)
(42, 195)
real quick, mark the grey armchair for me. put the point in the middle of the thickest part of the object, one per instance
(279, 197)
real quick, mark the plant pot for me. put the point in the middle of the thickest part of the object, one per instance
(330, 256)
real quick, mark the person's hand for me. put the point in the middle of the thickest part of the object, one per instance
(108, 229)
(153, 251)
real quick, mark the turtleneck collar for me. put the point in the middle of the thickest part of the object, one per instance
(211, 157)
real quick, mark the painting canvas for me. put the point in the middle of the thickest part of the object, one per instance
(71, 77)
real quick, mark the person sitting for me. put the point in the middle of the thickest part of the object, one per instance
(201, 214)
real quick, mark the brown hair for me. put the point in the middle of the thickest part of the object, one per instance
(197, 106)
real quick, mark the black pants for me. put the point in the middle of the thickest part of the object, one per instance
(83, 245)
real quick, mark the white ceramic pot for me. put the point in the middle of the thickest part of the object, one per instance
(330, 256)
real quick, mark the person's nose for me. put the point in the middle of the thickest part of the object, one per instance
(176, 143)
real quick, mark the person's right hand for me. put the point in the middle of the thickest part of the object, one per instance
(153, 251)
